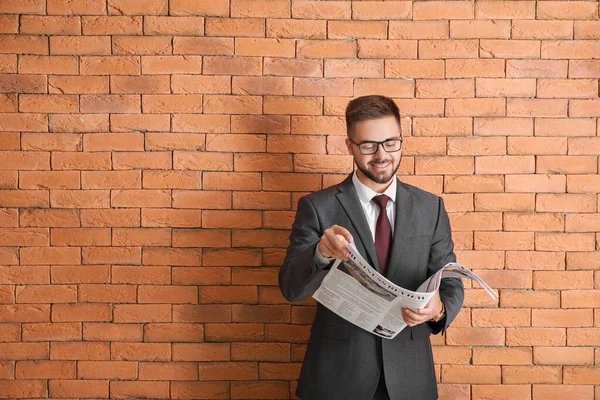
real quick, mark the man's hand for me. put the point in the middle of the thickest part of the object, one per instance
(432, 309)
(334, 241)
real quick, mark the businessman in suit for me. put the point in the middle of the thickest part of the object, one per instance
(405, 234)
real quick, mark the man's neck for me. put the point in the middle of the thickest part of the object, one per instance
(374, 186)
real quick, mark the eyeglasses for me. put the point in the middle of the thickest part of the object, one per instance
(370, 147)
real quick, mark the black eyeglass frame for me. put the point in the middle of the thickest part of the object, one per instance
(377, 147)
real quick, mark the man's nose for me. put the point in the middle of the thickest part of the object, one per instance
(380, 151)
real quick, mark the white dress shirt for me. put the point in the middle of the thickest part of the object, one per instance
(370, 209)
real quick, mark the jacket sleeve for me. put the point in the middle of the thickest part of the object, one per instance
(442, 252)
(300, 276)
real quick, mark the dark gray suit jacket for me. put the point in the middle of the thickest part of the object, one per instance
(343, 361)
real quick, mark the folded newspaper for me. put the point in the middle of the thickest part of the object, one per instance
(358, 293)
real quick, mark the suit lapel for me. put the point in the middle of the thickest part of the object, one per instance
(404, 214)
(348, 197)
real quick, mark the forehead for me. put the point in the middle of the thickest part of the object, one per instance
(376, 129)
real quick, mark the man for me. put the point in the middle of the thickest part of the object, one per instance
(407, 241)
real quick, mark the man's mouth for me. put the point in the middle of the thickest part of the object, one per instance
(381, 165)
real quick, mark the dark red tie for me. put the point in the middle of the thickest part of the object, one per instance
(383, 233)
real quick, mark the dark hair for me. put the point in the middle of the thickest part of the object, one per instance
(370, 107)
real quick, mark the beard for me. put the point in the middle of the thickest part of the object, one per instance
(379, 177)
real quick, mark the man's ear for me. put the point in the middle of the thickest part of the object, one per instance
(349, 146)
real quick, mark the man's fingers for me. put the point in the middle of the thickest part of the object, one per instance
(340, 230)
(334, 247)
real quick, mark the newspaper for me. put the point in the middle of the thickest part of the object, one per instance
(358, 293)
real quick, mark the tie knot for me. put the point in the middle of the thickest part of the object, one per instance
(381, 201)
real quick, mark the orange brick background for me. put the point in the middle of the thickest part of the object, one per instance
(152, 154)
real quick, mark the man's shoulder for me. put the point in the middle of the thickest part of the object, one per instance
(324, 194)
(420, 195)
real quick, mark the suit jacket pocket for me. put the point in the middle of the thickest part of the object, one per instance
(420, 332)
(419, 239)
(333, 331)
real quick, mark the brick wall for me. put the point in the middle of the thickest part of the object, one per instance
(152, 154)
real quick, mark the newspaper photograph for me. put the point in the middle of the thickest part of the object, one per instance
(358, 293)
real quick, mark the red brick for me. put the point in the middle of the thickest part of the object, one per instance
(254, 276)
(579, 298)
(112, 217)
(189, 390)
(45, 370)
(8, 63)
(170, 332)
(565, 10)
(81, 312)
(433, 10)
(512, 10)
(171, 294)
(515, 298)
(312, 10)
(112, 332)
(113, 25)
(150, 7)
(498, 48)
(456, 88)
(557, 391)
(469, 184)
(96, 293)
(531, 374)
(140, 198)
(503, 126)
(455, 165)
(203, 46)
(59, 65)
(44, 293)
(140, 275)
(79, 351)
(68, 7)
(177, 371)
(418, 30)
(24, 275)
(49, 180)
(480, 29)
(80, 274)
(26, 83)
(536, 68)
(482, 68)
(510, 356)
(426, 69)
(260, 8)
(26, 388)
(79, 123)
(190, 7)
(109, 255)
(259, 390)
(497, 392)
(228, 294)
(536, 336)
(471, 374)
(142, 313)
(171, 64)
(176, 257)
(139, 45)
(562, 318)
(240, 332)
(107, 370)
(586, 29)
(201, 276)
(197, 122)
(205, 199)
(264, 201)
(231, 219)
(260, 351)
(145, 389)
(333, 48)
(505, 278)
(564, 241)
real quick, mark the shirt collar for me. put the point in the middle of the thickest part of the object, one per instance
(365, 193)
